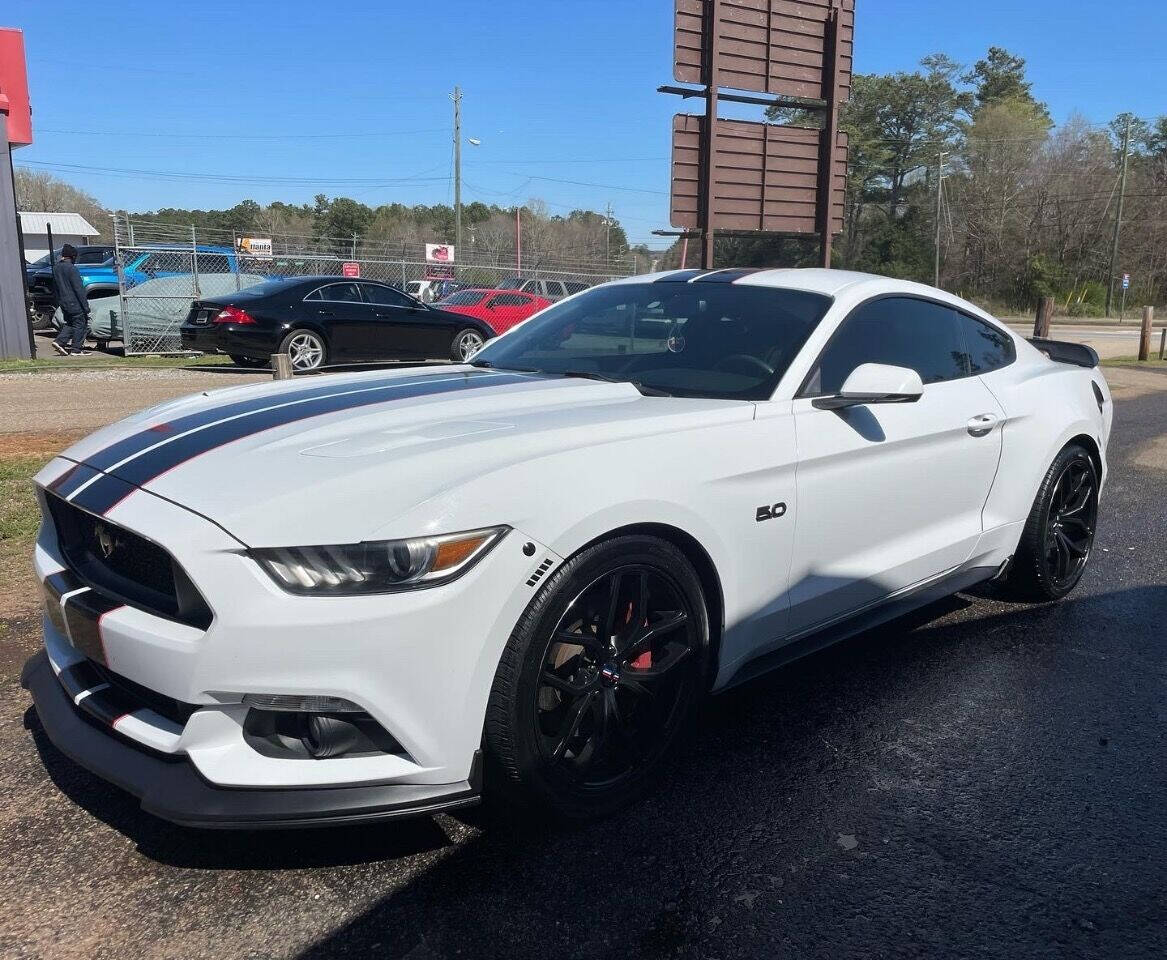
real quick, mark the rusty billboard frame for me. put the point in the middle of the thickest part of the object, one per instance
(788, 53)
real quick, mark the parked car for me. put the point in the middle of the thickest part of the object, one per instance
(142, 265)
(502, 309)
(156, 307)
(42, 291)
(548, 289)
(319, 320)
(344, 598)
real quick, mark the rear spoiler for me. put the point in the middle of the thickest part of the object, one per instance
(1078, 354)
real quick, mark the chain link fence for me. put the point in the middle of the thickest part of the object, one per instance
(162, 268)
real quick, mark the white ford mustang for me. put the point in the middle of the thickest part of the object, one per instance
(342, 598)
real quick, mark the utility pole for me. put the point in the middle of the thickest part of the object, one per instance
(939, 208)
(457, 171)
(1126, 150)
(608, 233)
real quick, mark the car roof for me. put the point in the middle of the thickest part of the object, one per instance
(827, 282)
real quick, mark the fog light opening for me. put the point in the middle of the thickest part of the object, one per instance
(325, 736)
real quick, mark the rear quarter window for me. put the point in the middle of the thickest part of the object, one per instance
(989, 348)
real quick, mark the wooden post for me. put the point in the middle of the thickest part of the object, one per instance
(1163, 344)
(1045, 312)
(281, 366)
(1145, 333)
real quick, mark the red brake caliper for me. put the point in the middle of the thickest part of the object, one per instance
(644, 661)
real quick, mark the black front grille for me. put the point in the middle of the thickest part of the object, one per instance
(126, 566)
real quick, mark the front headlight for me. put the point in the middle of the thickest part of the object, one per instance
(382, 566)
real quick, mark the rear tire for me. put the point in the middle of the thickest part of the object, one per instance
(467, 342)
(1058, 537)
(580, 729)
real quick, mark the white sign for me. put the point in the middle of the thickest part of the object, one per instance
(257, 247)
(439, 253)
(1126, 281)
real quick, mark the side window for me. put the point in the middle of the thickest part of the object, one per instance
(341, 293)
(899, 331)
(385, 296)
(988, 347)
(314, 295)
(509, 300)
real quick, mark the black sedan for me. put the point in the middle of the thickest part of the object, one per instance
(319, 320)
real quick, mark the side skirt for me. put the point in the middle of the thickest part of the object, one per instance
(865, 619)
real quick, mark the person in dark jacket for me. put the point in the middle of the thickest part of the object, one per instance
(74, 303)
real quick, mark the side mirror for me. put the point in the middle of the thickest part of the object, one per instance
(875, 383)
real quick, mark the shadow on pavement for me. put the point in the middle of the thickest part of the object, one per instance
(916, 740)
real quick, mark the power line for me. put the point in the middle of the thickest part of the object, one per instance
(238, 136)
(227, 177)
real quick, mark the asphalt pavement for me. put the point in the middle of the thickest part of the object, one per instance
(984, 779)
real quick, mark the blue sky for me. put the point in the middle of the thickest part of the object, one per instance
(560, 90)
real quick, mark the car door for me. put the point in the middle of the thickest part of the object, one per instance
(344, 317)
(504, 310)
(889, 495)
(403, 327)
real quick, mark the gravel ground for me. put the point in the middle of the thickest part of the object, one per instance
(982, 779)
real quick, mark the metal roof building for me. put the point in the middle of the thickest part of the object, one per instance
(67, 228)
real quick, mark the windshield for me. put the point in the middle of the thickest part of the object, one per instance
(466, 298)
(684, 339)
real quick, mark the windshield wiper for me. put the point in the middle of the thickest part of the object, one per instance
(489, 365)
(595, 375)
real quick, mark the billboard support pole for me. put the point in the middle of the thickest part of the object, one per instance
(830, 134)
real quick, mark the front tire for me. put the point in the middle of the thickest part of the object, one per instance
(1059, 533)
(599, 678)
(467, 342)
(306, 349)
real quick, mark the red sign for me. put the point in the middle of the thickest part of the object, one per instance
(14, 87)
(351, 269)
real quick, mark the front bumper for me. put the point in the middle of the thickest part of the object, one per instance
(418, 662)
(171, 788)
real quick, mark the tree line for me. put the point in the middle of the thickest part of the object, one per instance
(1025, 210)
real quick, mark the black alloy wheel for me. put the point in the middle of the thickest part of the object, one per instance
(1058, 537)
(600, 677)
(613, 676)
(1069, 528)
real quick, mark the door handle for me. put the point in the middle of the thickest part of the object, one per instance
(982, 424)
(326, 313)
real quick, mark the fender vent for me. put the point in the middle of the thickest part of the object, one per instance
(539, 572)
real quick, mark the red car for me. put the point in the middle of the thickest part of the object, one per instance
(502, 309)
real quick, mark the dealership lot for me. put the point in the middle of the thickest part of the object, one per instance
(984, 779)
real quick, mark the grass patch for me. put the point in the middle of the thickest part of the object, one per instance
(19, 519)
(102, 361)
(1135, 362)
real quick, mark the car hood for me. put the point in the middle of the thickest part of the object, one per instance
(338, 459)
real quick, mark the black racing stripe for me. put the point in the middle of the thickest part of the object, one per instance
(680, 276)
(144, 439)
(72, 480)
(54, 587)
(62, 582)
(79, 677)
(63, 479)
(83, 613)
(107, 491)
(109, 705)
(727, 276)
